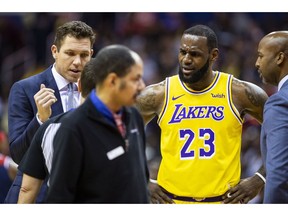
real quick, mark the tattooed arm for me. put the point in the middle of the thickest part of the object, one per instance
(150, 101)
(248, 99)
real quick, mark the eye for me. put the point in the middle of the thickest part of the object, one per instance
(70, 53)
(195, 54)
(182, 52)
(84, 55)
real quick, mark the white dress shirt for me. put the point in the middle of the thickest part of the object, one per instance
(62, 83)
(62, 87)
(282, 81)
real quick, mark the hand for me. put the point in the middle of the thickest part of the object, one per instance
(157, 195)
(245, 191)
(44, 99)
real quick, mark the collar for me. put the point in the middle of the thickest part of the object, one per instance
(282, 81)
(60, 80)
(101, 107)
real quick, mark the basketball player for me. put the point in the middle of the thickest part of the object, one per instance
(200, 112)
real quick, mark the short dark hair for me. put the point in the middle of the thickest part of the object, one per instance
(113, 58)
(77, 29)
(87, 79)
(205, 31)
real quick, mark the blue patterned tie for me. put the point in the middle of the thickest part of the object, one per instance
(70, 104)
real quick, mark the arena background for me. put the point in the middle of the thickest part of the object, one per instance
(25, 40)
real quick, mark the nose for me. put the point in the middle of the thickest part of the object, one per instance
(257, 63)
(141, 85)
(77, 60)
(186, 59)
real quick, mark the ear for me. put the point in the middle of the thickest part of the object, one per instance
(214, 54)
(280, 58)
(54, 51)
(112, 79)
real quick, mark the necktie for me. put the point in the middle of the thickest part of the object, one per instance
(70, 97)
(119, 123)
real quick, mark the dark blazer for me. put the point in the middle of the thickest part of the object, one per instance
(90, 163)
(274, 146)
(22, 122)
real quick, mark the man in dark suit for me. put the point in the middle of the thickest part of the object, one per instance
(36, 163)
(99, 158)
(34, 100)
(272, 64)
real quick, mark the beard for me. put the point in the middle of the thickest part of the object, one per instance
(195, 76)
(123, 86)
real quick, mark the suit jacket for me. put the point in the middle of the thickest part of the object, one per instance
(91, 163)
(274, 146)
(22, 122)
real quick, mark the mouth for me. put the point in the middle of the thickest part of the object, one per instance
(75, 71)
(187, 71)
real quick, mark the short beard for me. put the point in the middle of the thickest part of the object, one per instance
(196, 76)
(122, 85)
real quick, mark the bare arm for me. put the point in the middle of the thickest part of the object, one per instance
(150, 101)
(29, 189)
(249, 99)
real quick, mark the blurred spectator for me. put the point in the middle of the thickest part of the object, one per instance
(1, 110)
(8, 168)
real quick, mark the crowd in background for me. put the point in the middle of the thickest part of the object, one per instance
(26, 38)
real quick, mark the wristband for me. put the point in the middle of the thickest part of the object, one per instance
(153, 181)
(261, 176)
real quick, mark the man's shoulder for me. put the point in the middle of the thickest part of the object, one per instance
(242, 85)
(280, 97)
(132, 110)
(32, 83)
(70, 119)
(36, 78)
(51, 123)
(152, 91)
(135, 114)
